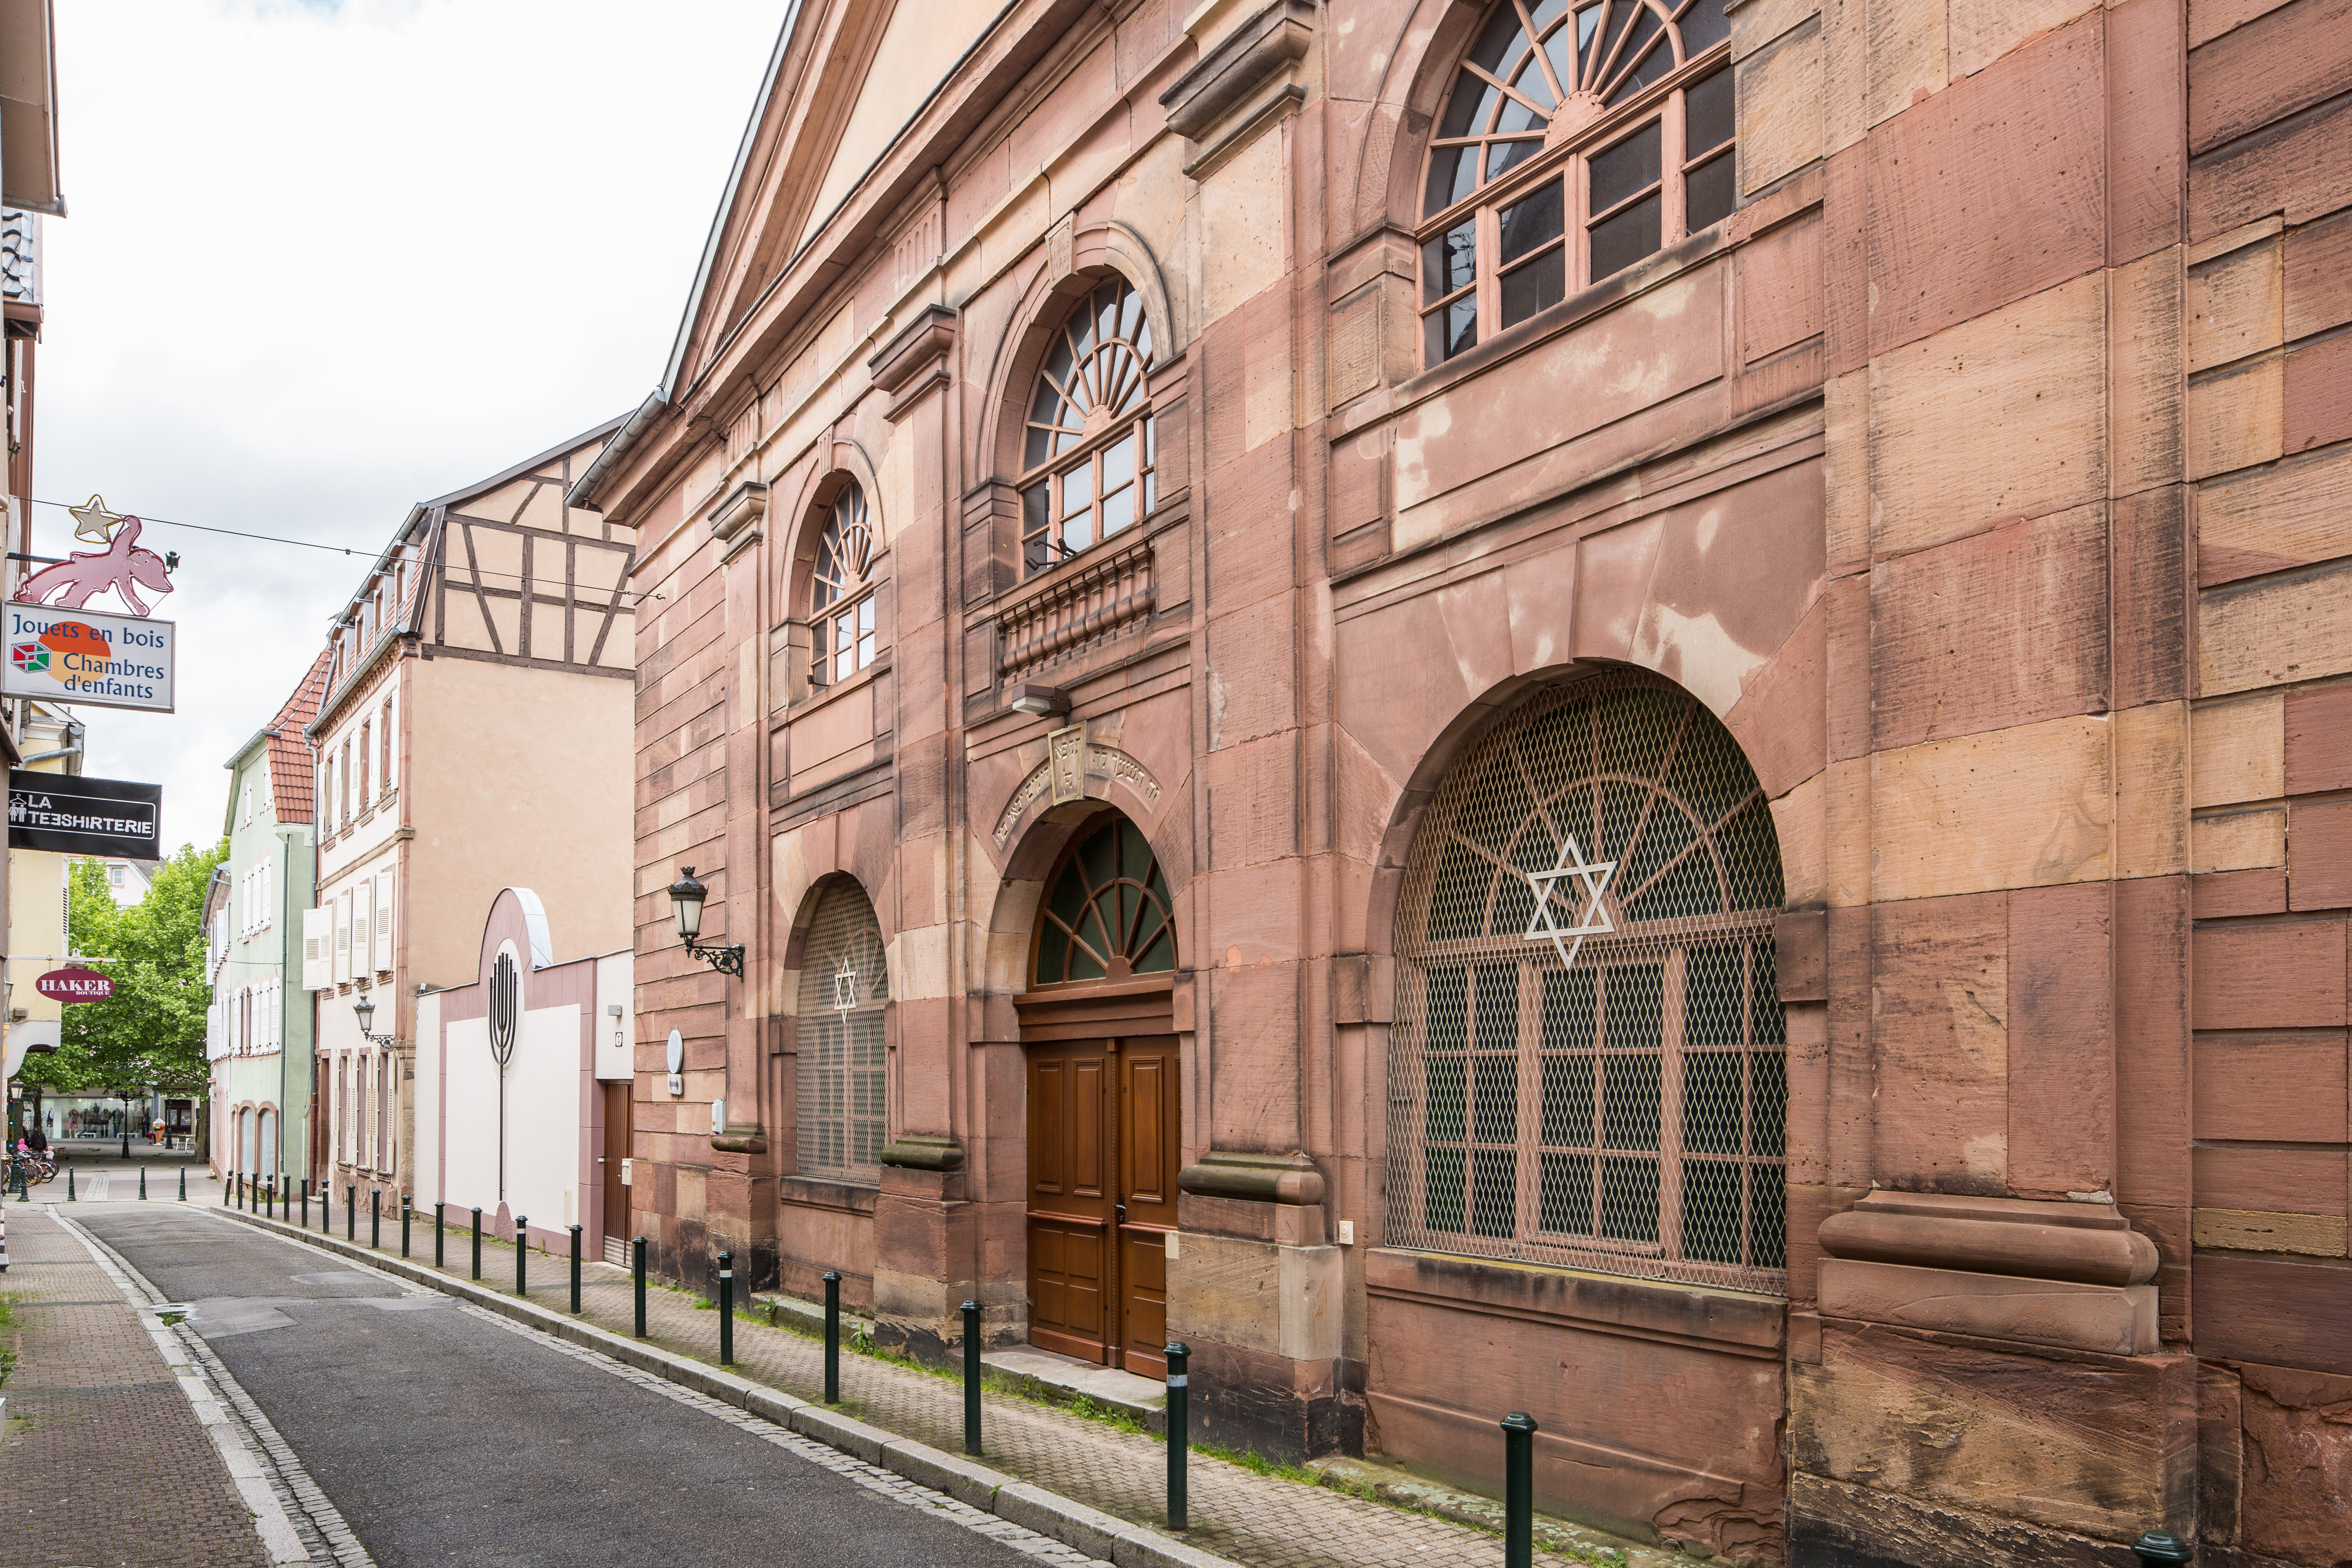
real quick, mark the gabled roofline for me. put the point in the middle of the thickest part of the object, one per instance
(525, 465)
(669, 388)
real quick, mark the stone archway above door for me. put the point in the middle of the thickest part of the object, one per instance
(1102, 1074)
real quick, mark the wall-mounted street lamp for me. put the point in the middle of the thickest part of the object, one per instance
(365, 1011)
(685, 896)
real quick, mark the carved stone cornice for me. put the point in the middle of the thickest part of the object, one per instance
(1248, 80)
(915, 360)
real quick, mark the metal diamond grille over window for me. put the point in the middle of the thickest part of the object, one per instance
(844, 987)
(1587, 1067)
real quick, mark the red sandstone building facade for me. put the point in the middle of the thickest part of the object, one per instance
(1632, 712)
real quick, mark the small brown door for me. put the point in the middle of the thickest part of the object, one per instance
(1103, 1153)
(617, 1149)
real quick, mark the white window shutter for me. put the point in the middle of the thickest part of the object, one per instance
(383, 920)
(343, 935)
(318, 969)
(362, 919)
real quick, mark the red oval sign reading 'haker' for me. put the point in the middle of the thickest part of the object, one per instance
(74, 985)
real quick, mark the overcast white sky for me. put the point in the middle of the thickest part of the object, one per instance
(326, 261)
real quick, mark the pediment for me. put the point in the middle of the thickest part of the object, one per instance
(847, 79)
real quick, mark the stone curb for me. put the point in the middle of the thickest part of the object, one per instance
(1072, 1523)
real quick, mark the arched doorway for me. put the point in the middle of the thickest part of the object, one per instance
(266, 1136)
(1104, 1132)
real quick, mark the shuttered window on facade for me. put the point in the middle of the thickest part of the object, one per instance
(1587, 1064)
(845, 987)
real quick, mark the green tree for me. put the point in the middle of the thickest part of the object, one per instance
(151, 1033)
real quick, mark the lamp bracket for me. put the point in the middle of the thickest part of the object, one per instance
(726, 960)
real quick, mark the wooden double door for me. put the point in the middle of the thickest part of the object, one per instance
(1105, 1141)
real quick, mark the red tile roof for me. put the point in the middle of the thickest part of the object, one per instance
(289, 759)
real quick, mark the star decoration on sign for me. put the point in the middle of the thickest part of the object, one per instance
(93, 522)
(844, 987)
(1594, 921)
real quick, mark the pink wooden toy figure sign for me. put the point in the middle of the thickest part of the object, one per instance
(120, 566)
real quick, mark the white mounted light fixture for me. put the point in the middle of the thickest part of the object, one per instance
(1039, 700)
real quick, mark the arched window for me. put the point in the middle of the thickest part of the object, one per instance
(1088, 457)
(1107, 917)
(841, 592)
(1586, 1066)
(845, 987)
(1574, 144)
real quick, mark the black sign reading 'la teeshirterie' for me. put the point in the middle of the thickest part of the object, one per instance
(74, 815)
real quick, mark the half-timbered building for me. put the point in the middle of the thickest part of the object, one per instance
(473, 736)
(1628, 711)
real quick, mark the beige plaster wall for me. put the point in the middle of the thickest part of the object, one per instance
(517, 778)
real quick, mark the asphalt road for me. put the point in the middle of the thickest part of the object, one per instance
(450, 1442)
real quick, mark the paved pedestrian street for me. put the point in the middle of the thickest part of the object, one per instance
(362, 1420)
(1265, 1520)
(293, 1404)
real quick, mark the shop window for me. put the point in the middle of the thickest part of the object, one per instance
(842, 615)
(1089, 461)
(845, 991)
(1593, 1080)
(1575, 142)
(1107, 917)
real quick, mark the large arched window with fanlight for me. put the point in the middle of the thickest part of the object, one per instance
(1586, 1066)
(1574, 141)
(1105, 916)
(1087, 460)
(841, 1075)
(844, 633)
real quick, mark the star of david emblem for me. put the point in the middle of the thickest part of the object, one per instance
(844, 987)
(1594, 921)
(93, 522)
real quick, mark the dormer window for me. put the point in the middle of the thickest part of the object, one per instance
(1575, 143)
(1088, 460)
(841, 594)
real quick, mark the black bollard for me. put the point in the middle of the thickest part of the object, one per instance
(406, 1205)
(971, 1377)
(270, 1200)
(1519, 1489)
(575, 1271)
(439, 1233)
(306, 1202)
(637, 1270)
(2161, 1548)
(69, 1187)
(477, 1244)
(142, 1183)
(326, 1207)
(183, 1183)
(522, 1253)
(351, 1211)
(726, 1309)
(1180, 1356)
(376, 1218)
(832, 1336)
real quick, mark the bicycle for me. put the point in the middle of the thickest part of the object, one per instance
(37, 1169)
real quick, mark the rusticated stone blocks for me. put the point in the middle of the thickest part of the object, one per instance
(2061, 1443)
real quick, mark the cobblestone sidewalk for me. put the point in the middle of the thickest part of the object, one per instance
(1262, 1520)
(106, 1461)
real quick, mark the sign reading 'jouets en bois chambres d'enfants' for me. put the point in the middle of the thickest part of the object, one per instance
(89, 657)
